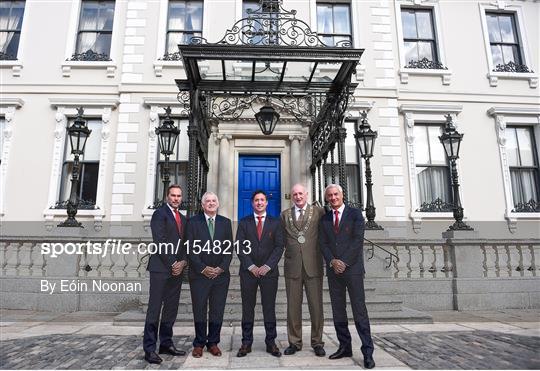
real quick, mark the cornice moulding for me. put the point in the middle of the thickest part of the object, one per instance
(430, 108)
(17, 102)
(84, 102)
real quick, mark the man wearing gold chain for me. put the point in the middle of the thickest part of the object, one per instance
(303, 267)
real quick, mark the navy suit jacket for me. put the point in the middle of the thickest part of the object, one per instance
(165, 231)
(266, 251)
(348, 244)
(197, 229)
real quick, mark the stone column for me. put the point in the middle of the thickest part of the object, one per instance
(224, 192)
(295, 159)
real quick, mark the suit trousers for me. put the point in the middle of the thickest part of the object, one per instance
(295, 296)
(208, 297)
(164, 290)
(248, 288)
(354, 284)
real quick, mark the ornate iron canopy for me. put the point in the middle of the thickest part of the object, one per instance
(269, 53)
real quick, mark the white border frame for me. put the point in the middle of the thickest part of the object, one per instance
(66, 109)
(505, 116)
(17, 65)
(503, 7)
(433, 5)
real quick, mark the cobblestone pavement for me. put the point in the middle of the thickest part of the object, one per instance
(470, 340)
(462, 350)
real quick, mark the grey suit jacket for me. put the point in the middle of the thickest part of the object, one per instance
(307, 254)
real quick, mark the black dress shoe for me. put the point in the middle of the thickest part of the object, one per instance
(152, 357)
(171, 350)
(243, 351)
(369, 362)
(319, 351)
(291, 349)
(273, 350)
(341, 352)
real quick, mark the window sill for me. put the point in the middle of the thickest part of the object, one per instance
(512, 219)
(110, 67)
(96, 215)
(160, 65)
(445, 75)
(495, 76)
(417, 218)
(16, 67)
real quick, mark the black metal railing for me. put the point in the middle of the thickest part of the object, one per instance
(389, 258)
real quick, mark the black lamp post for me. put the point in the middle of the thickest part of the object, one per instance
(365, 140)
(451, 141)
(167, 134)
(78, 133)
(267, 117)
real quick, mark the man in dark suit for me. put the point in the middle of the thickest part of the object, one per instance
(258, 268)
(341, 239)
(208, 235)
(165, 267)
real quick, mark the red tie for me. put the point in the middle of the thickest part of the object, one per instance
(259, 227)
(178, 221)
(336, 221)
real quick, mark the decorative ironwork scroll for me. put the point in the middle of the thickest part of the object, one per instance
(271, 24)
(512, 67)
(426, 64)
(436, 206)
(90, 56)
(176, 56)
(532, 206)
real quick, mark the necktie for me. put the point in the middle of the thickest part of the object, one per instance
(301, 217)
(259, 227)
(336, 221)
(211, 227)
(178, 220)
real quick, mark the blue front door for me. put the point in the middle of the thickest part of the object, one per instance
(259, 172)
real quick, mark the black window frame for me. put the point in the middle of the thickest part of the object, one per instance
(192, 33)
(16, 31)
(333, 35)
(517, 44)
(84, 204)
(93, 55)
(533, 204)
(436, 62)
(438, 203)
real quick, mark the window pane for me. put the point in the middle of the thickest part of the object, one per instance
(12, 43)
(411, 52)
(2, 127)
(408, 22)
(89, 181)
(509, 54)
(425, 50)
(511, 147)
(528, 180)
(440, 184)
(17, 12)
(105, 21)
(342, 21)
(525, 147)
(93, 143)
(89, 16)
(421, 148)
(324, 18)
(438, 156)
(424, 185)
(253, 5)
(496, 54)
(507, 28)
(194, 16)
(351, 152)
(86, 41)
(103, 43)
(4, 15)
(177, 12)
(493, 28)
(423, 23)
(353, 183)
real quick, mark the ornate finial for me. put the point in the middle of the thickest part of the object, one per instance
(450, 122)
(80, 112)
(168, 111)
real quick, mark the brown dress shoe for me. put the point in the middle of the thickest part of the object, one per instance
(243, 351)
(197, 352)
(214, 350)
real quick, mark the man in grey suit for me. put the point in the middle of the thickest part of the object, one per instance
(303, 267)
